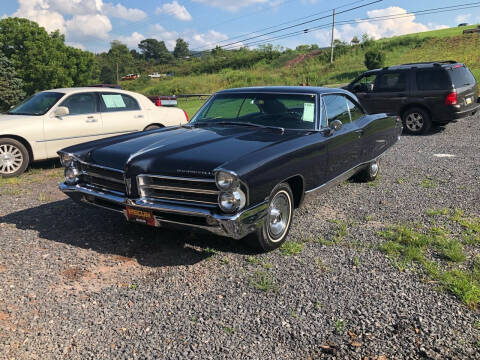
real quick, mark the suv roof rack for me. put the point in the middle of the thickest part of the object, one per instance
(433, 62)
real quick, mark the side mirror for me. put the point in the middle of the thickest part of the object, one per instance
(61, 111)
(336, 125)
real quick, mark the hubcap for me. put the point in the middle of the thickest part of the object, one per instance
(11, 159)
(414, 122)
(373, 169)
(279, 216)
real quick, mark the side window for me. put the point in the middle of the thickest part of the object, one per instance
(83, 103)
(356, 111)
(337, 109)
(118, 102)
(365, 84)
(391, 82)
(432, 80)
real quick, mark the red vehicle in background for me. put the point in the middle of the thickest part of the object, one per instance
(130, 77)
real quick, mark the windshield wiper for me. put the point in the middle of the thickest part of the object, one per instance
(241, 123)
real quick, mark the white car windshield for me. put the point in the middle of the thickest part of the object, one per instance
(38, 104)
(290, 111)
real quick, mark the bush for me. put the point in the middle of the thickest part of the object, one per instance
(374, 59)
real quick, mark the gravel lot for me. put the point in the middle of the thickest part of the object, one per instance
(81, 283)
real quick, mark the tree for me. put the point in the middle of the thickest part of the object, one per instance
(181, 49)
(118, 55)
(156, 50)
(355, 40)
(10, 85)
(374, 59)
(42, 60)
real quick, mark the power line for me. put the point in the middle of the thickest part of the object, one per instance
(356, 21)
(288, 22)
(300, 24)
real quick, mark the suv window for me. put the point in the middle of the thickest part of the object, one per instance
(118, 102)
(337, 109)
(356, 111)
(432, 79)
(365, 83)
(84, 103)
(390, 82)
(461, 76)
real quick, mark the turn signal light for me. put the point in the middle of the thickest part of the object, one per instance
(451, 99)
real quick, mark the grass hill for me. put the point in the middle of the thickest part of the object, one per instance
(314, 69)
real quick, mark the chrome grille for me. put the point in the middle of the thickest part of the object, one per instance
(199, 191)
(102, 177)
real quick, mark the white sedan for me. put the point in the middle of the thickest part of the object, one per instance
(51, 120)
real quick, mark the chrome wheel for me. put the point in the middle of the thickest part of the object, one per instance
(373, 169)
(414, 122)
(11, 159)
(279, 215)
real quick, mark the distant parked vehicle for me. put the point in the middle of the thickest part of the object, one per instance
(472, 31)
(421, 93)
(50, 120)
(156, 75)
(130, 77)
(164, 100)
(111, 86)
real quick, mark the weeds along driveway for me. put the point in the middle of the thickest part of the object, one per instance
(380, 270)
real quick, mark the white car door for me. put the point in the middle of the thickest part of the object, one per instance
(83, 123)
(121, 113)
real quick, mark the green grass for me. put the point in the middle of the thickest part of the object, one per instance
(444, 44)
(263, 281)
(190, 105)
(291, 248)
(440, 254)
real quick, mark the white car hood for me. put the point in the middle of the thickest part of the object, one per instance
(17, 121)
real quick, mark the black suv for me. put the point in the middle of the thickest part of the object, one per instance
(420, 93)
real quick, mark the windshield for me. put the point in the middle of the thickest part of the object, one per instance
(296, 111)
(38, 104)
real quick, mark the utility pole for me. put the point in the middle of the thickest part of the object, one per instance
(333, 35)
(117, 73)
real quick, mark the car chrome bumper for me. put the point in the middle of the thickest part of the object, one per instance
(234, 226)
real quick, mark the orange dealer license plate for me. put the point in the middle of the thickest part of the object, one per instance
(141, 216)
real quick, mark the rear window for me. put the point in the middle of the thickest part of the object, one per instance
(433, 80)
(461, 76)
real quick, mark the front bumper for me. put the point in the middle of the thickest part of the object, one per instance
(235, 226)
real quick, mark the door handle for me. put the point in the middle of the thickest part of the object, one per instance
(138, 116)
(360, 131)
(91, 119)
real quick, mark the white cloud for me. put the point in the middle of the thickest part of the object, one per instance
(170, 37)
(122, 12)
(379, 29)
(174, 9)
(82, 27)
(233, 5)
(77, 19)
(464, 18)
(132, 40)
(75, 45)
(207, 40)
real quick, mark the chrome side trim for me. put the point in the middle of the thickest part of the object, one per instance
(177, 199)
(86, 136)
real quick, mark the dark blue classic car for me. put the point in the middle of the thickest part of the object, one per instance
(240, 167)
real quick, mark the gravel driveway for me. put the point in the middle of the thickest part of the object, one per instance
(80, 283)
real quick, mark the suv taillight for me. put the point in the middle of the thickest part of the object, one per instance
(158, 102)
(451, 99)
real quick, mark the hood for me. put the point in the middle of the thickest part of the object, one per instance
(6, 119)
(191, 152)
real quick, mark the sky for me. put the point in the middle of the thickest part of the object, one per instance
(93, 24)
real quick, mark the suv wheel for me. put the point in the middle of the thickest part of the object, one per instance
(277, 222)
(14, 158)
(416, 121)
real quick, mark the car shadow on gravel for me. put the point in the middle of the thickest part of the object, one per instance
(109, 233)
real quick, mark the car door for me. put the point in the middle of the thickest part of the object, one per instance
(344, 145)
(390, 92)
(83, 123)
(121, 113)
(365, 128)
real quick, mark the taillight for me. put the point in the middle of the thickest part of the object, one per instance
(451, 99)
(158, 102)
(186, 115)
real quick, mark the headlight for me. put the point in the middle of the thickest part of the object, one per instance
(232, 201)
(225, 180)
(71, 175)
(66, 160)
